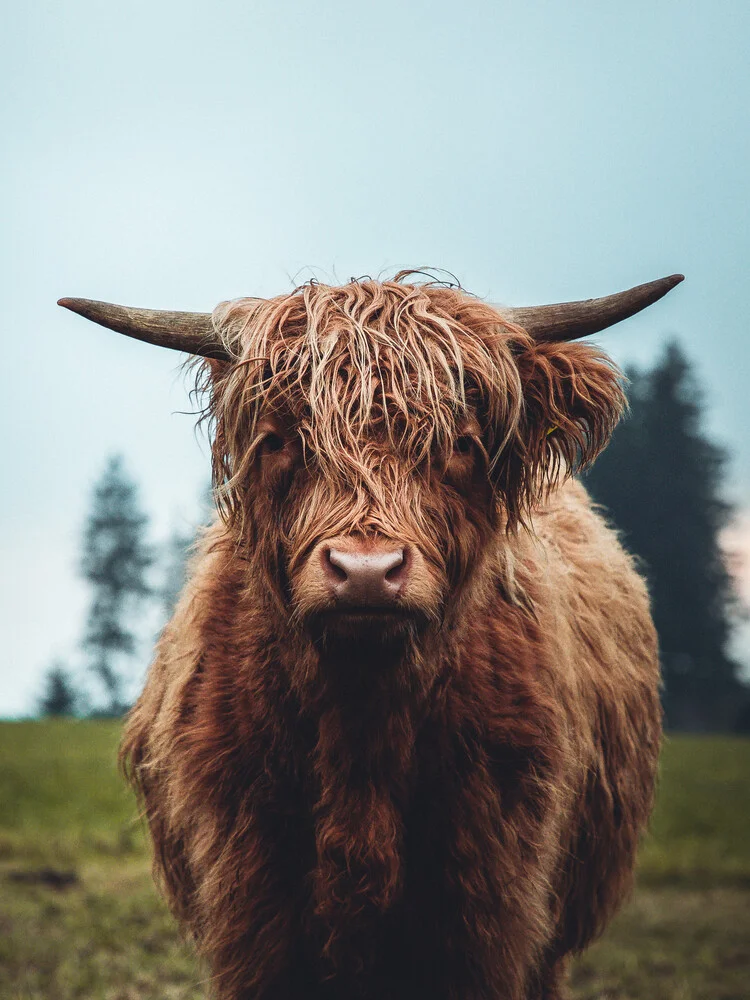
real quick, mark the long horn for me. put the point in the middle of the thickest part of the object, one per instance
(571, 320)
(180, 331)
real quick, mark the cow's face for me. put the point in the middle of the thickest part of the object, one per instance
(369, 541)
(375, 441)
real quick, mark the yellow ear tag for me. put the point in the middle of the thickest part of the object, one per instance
(551, 429)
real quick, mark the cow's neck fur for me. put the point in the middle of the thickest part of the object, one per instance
(363, 764)
(362, 707)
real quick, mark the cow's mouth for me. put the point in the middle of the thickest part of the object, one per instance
(377, 623)
(385, 611)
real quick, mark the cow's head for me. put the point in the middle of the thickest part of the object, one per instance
(374, 442)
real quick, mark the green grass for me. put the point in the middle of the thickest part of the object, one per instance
(61, 797)
(109, 938)
(672, 944)
(700, 831)
(684, 936)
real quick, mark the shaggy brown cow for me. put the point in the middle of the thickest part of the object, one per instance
(400, 737)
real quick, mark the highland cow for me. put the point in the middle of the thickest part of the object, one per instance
(400, 737)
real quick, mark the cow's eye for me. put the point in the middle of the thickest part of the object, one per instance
(463, 445)
(271, 443)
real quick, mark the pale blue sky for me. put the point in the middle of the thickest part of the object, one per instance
(173, 154)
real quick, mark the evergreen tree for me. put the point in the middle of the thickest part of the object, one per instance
(661, 480)
(60, 696)
(115, 561)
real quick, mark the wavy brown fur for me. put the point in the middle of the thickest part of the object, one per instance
(448, 810)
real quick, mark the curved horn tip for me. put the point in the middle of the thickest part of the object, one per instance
(674, 279)
(80, 306)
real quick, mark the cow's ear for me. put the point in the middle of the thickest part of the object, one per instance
(572, 399)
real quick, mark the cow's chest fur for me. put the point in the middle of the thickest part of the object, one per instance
(417, 821)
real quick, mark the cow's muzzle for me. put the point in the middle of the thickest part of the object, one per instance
(365, 587)
(365, 577)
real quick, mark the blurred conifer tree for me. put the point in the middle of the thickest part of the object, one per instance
(60, 696)
(116, 559)
(661, 480)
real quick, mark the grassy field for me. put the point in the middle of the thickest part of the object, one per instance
(107, 936)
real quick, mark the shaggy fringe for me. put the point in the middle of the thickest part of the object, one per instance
(369, 363)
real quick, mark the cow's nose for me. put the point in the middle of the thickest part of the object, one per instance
(370, 577)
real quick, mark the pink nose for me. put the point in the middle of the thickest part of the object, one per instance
(362, 578)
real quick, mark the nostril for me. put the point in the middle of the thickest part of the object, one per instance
(397, 570)
(333, 565)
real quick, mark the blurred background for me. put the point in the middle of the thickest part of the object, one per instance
(174, 155)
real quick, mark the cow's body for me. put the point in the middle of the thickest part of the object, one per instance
(400, 737)
(442, 819)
